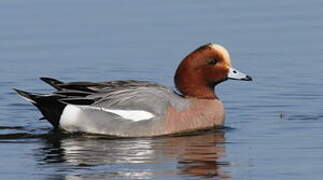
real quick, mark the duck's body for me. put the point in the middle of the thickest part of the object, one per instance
(140, 108)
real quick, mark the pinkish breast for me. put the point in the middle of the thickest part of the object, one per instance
(201, 114)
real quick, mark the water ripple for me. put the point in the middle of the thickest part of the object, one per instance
(306, 117)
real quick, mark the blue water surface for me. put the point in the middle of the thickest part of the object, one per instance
(274, 127)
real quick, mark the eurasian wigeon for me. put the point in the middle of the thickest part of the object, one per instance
(141, 108)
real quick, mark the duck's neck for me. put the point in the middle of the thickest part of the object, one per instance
(201, 92)
(197, 91)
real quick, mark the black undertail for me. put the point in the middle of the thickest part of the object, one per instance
(49, 105)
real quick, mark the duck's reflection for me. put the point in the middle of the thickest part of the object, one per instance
(198, 155)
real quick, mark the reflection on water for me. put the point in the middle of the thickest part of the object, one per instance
(198, 155)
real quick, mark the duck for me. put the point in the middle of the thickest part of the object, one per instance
(132, 108)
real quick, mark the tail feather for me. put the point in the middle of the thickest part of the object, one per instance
(53, 82)
(49, 105)
(25, 95)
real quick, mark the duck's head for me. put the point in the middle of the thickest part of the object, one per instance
(203, 69)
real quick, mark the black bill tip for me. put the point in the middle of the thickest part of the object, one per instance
(247, 78)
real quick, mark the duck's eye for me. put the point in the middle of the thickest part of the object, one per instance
(212, 62)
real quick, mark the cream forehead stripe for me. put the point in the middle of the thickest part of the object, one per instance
(223, 51)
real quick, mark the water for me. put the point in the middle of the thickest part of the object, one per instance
(273, 125)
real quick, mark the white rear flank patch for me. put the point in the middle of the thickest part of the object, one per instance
(69, 117)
